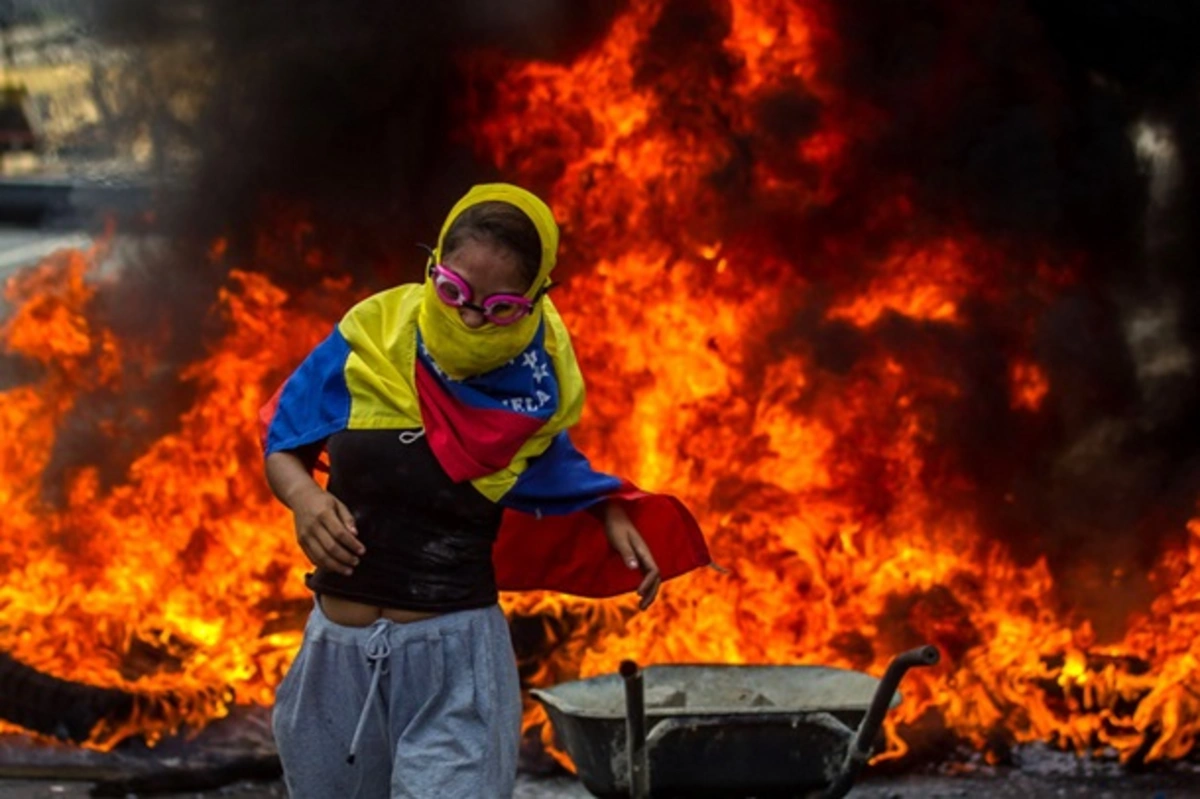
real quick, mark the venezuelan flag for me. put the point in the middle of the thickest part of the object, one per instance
(505, 431)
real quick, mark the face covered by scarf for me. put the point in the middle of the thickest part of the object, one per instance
(461, 351)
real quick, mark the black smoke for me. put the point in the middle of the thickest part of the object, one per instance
(347, 112)
(1018, 121)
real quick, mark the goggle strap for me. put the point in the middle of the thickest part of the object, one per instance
(431, 261)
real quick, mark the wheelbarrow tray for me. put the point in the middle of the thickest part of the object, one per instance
(715, 730)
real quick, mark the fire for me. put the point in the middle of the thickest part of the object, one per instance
(1029, 385)
(171, 585)
(922, 284)
(813, 486)
(844, 540)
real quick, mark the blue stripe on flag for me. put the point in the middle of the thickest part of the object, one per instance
(526, 385)
(315, 402)
(558, 482)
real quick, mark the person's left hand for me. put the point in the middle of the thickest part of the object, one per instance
(626, 540)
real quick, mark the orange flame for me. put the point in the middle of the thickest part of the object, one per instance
(183, 585)
(1029, 385)
(170, 585)
(786, 465)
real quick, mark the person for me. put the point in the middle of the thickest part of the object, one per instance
(443, 410)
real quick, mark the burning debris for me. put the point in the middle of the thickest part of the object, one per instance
(873, 289)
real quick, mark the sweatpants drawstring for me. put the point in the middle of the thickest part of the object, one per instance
(378, 650)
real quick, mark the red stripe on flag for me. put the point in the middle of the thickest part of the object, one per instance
(469, 442)
(571, 553)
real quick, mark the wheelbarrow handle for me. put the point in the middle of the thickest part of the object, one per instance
(860, 748)
(635, 730)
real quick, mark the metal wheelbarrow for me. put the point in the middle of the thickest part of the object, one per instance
(724, 730)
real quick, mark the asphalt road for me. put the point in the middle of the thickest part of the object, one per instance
(1004, 784)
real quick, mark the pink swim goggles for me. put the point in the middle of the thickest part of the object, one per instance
(499, 309)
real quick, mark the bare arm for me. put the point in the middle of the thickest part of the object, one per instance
(624, 537)
(324, 526)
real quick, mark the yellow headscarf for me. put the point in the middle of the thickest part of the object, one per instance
(382, 334)
(459, 350)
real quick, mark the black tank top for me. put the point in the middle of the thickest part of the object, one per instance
(428, 540)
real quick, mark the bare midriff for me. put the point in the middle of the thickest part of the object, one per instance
(349, 613)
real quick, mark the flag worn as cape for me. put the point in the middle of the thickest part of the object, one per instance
(505, 430)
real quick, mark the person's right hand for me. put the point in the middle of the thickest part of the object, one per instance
(326, 532)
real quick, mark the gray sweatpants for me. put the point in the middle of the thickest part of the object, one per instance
(429, 708)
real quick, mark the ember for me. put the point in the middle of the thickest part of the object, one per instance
(786, 357)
